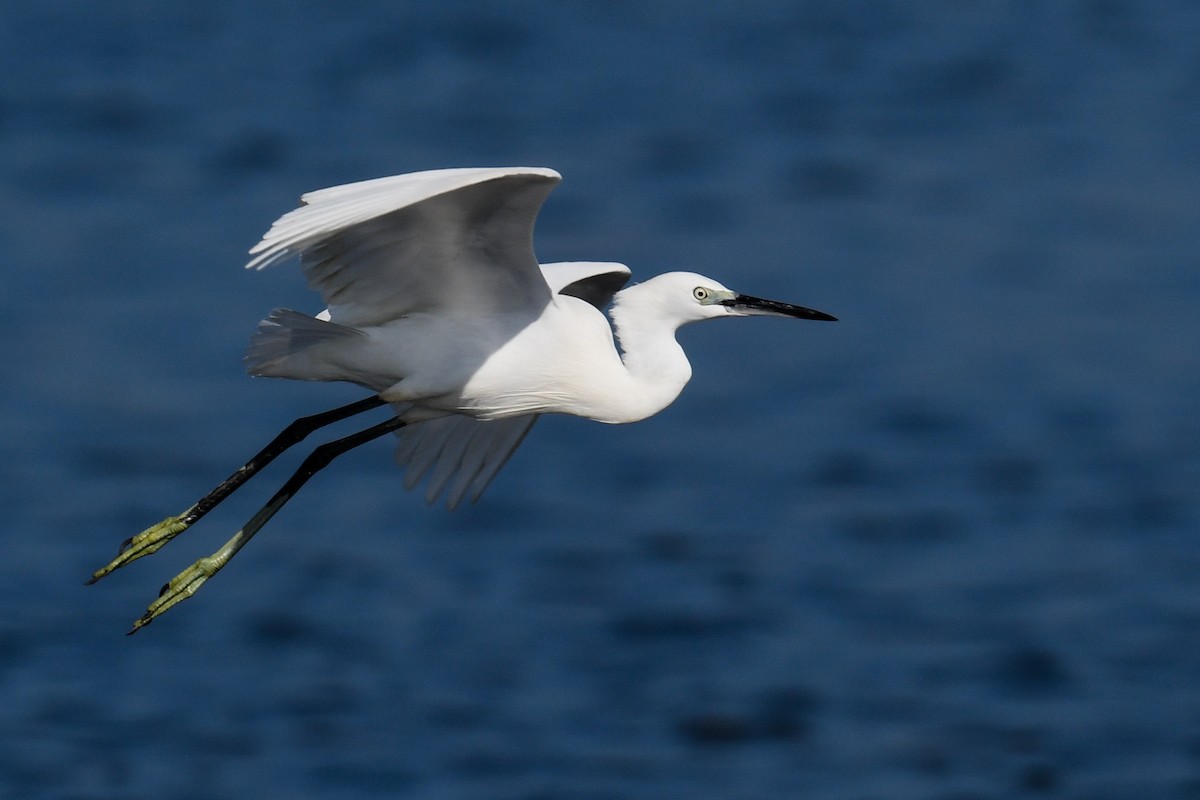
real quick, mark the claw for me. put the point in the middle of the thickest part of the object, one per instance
(145, 543)
(180, 588)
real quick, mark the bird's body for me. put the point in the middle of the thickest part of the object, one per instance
(437, 305)
(481, 367)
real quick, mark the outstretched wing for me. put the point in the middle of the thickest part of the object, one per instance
(462, 455)
(441, 241)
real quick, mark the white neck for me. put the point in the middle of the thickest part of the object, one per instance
(656, 364)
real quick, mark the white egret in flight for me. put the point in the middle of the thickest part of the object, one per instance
(437, 305)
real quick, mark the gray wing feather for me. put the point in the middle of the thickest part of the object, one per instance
(594, 282)
(441, 241)
(458, 449)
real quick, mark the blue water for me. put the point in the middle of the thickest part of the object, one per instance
(948, 547)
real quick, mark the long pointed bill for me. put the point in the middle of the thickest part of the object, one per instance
(756, 306)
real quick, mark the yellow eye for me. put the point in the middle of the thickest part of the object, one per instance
(700, 293)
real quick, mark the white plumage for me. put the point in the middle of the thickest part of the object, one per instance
(438, 304)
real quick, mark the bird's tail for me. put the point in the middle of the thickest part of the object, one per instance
(287, 343)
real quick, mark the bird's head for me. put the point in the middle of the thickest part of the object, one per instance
(687, 297)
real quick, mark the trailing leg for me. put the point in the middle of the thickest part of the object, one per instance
(154, 537)
(185, 584)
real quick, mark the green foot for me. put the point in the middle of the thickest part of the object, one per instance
(145, 543)
(180, 588)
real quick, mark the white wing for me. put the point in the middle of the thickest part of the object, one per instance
(453, 240)
(465, 454)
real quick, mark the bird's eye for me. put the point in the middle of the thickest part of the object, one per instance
(700, 293)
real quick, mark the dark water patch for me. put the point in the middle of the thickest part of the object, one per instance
(223, 742)
(786, 713)
(252, 152)
(572, 577)
(356, 778)
(695, 212)
(1013, 265)
(777, 715)
(333, 569)
(496, 40)
(715, 728)
(114, 112)
(799, 112)
(1021, 740)
(30, 777)
(828, 38)
(829, 179)
(67, 741)
(1039, 778)
(501, 758)
(1156, 508)
(16, 646)
(494, 130)
(462, 714)
(68, 710)
(1116, 507)
(960, 95)
(736, 580)
(1082, 421)
(1117, 24)
(974, 77)
(571, 215)
(84, 175)
(922, 419)
(371, 52)
(328, 700)
(676, 153)
(1001, 756)
(669, 546)
(1030, 669)
(123, 462)
(666, 625)
(901, 526)
(273, 630)
(102, 113)
(1010, 475)
(846, 471)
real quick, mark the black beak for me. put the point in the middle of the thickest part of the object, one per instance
(756, 306)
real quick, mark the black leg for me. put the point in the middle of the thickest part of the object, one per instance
(154, 537)
(293, 434)
(185, 584)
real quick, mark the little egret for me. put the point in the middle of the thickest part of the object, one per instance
(437, 305)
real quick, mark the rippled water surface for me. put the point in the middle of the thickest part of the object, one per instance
(945, 548)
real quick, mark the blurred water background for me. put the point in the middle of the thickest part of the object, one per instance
(945, 548)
